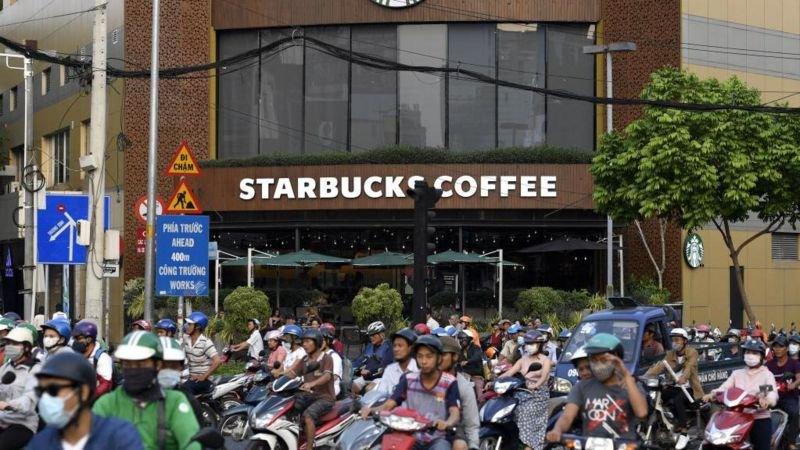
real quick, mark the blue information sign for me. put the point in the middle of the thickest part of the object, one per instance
(182, 255)
(57, 228)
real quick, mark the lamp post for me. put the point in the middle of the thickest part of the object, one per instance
(607, 50)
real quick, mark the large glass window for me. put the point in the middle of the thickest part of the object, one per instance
(238, 97)
(374, 91)
(327, 79)
(472, 103)
(281, 105)
(520, 59)
(421, 95)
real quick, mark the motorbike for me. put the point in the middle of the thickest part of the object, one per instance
(659, 430)
(233, 422)
(393, 430)
(363, 434)
(574, 441)
(226, 393)
(730, 427)
(498, 427)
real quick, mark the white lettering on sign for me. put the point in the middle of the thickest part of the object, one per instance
(464, 186)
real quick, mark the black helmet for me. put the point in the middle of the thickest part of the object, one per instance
(780, 340)
(70, 366)
(755, 345)
(326, 334)
(429, 341)
(313, 334)
(407, 334)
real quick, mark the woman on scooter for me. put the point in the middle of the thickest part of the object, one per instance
(750, 380)
(531, 414)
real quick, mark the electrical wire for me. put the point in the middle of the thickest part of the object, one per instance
(58, 16)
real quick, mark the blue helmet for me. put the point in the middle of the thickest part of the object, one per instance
(60, 326)
(439, 332)
(293, 330)
(199, 319)
(451, 330)
(514, 329)
(168, 325)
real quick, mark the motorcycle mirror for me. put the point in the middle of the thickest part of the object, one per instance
(209, 438)
(534, 367)
(262, 353)
(9, 378)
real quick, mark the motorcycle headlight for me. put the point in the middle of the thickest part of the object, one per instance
(401, 423)
(502, 387)
(722, 437)
(562, 385)
(599, 444)
(502, 413)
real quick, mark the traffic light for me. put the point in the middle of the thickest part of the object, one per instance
(425, 198)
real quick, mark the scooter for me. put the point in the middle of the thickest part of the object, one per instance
(660, 426)
(574, 441)
(498, 427)
(234, 423)
(730, 427)
(363, 434)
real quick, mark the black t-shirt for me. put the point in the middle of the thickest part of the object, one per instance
(791, 366)
(605, 411)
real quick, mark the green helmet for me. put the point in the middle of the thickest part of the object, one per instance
(6, 324)
(604, 343)
(138, 346)
(172, 349)
(33, 329)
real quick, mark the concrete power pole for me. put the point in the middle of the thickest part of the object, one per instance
(97, 131)
(29, 274)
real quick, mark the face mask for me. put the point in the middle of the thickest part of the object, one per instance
(677, 347)
(50, 342)
(601, 371)
(530, 349)
(138, 380)
(51, 409)
(169, 378)
(79, 347)
(520, 341)
(794, 349)
(701, 336)
(752, 360)
(13, 351)
(287, 345)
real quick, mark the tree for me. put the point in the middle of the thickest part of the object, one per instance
(380, 303)
(700, 168)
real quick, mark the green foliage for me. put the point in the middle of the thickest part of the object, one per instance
(412, 155)
(380, 303)
(445, 298)
(240, 305)
(552, 306)
(230, 368)
(646, 291)
(132, 289)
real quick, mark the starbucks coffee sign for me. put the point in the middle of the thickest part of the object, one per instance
(693, 250)
(397, 3)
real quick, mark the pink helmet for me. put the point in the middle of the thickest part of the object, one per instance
(274, 334)
(421, 329)
(703, 328)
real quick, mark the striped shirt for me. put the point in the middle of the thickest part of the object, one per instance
(199, 354)
(433, 403)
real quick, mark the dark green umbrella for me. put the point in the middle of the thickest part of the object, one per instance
(453, 257)
(384, 259)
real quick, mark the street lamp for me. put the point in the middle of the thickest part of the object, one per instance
(608, 49)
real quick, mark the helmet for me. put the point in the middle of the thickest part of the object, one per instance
(450, 345)
(439, 332)
(429, 341)
(85, 328)
(422, 329)
(679, 332)
(755, 345)
(292, 330)
(60, 326)
(564, 335)
(491, 352)
(579, 354)
(406, 334)
(255, 321)
(465, 334)
(375, 328)
(757, 334)
(733, 332)
(313, 334)
(167, 325)
(780, 340)
(33, 329)
(794, 338)
(514, 329)
(545, 328)
(274, 334)
(12, 316)
(172, 350)
(534, 336)
(20, 335)
(326, 334)
(703, 328)
(328, 326)
(70, 366)
(143, 324)
(139, 345)
(60, 315)
(6, 324)
(450, 330)
(199, 319)
(466, 319)
(604, 343)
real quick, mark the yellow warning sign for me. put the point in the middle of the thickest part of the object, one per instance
(184, 201)
(184, 162)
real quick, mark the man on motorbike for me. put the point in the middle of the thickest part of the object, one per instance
(580, 360)
(467, 436)
(201, 354)
(292, 336)
(465, 323)
(338, 371)
(611, 402)
(750, 380)
(786, 370)
(430, 391)
(171, 371)
(317, 372)
(402, 341)
(18, 418)
(166, 327)
(84, 342)
(683, 360)
(254, 343)
(376, 357)
(164, 418)
(56, 336)
(510, 354)
(732, 338)
(471, 361)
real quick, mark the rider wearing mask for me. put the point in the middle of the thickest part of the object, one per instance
(749, 380)
(163, 417)
(471, 361)
(402, 341)
(292, 338)
(780, 366)
(531, 414)
(254, 344)
(376, 357)
(549, 346)
(200, 354)
(84, 342)
(732, 338)
(65, 390)
(683, 360)
(509, 353)
(277, 354)
(6, 325)
(318, 393)
(166, 328)
(171, 370)
(18, 419)
(56, 336)
(467, 433)
(794, 346)
(609, 403)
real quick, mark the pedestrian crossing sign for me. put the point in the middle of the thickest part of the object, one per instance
(184, 162)
(183, 201)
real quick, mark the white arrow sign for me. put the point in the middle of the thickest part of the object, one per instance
(57, 230)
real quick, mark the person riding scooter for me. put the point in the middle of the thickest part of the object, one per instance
(788, 371)
(317, 372)
(376, 357)
(402, 341)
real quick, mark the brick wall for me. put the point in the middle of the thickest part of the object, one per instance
(183, 104)
(655, 27)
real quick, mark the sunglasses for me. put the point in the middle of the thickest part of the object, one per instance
(53, 389)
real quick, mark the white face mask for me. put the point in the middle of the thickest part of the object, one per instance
(701, 336)
(794, 349)
(752, 360)
(49, 341)
(530, 349)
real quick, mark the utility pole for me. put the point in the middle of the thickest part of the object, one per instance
(152, 159)
(93, 309)
(29, 274)
(425, 198)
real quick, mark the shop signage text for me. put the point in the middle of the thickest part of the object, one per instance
(464, 186)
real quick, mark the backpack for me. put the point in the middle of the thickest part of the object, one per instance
(116, 378)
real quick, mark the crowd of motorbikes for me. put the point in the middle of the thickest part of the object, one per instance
(258, 408)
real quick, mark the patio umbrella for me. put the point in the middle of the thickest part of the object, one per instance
(453, 257)
(565, 245)
(384, 259)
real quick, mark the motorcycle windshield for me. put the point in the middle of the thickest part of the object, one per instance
(361, 434)
(257, 394)
(271, 403)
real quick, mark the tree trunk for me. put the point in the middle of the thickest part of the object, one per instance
(737, 269)
(659, 269)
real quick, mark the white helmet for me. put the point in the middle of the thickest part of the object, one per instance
(580, 353)
(680, 332)
(172, 349)
(375, 328)
(59, 315)
(274, 334)
(20, 335)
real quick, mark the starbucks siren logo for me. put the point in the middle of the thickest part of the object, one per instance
(397, 3)
(693, 250)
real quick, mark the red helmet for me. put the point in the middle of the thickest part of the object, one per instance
(328, 326)
(143, 324)
(703, 328)
(421, 329)
(757, 333)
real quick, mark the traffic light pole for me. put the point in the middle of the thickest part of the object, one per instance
(425, 198)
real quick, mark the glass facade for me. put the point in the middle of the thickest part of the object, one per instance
(302, 100)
